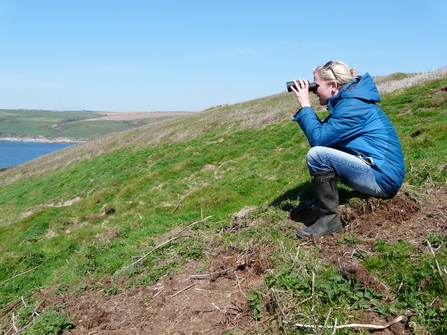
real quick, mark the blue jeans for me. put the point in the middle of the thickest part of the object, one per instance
(353, 171)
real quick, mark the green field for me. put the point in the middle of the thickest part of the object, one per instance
(64, 124)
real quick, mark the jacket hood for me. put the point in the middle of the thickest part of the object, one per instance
(362, 88)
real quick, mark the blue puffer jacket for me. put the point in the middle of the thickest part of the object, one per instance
(358, 126)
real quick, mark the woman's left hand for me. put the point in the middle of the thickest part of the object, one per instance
(301, 89)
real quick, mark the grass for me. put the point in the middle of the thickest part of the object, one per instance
(88, 211)
(420, 115)
(409, 272)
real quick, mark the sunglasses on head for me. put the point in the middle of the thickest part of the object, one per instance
(328, 65)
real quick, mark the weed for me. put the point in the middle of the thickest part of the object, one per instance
(26, 313)
(414, 279)
(109, 291)
(254, 300)
(49, 323)
(349, 238)
(327, 286)
(191, 249)
(436, 240)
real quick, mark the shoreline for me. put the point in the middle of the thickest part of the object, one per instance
(39, 140)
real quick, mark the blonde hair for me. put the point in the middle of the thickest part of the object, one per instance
(336, 71)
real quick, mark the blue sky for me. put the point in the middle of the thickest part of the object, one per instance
(178, 55)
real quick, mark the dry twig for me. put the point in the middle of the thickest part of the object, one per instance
(10, 308)
(158, 293)
(34, 268)
(166, 242)
(239, 283)
(182, 290)
(214, 273)
(352, 325)
(437, 265)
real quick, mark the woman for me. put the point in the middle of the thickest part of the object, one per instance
(355, 144)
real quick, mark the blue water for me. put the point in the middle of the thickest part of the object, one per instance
(15, 153)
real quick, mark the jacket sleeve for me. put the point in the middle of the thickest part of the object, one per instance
(347, 121)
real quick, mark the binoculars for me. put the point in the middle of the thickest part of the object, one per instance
(290, 84)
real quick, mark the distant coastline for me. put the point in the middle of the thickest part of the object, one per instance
(54, 127)
(39, 140)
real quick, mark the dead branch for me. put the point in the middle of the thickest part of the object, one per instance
(158, 293)
(10, 308)
(317, 328)
(437, 265)
(214, 273)
(239, 283)
(182, 290)
(166, 242)
(34, 268)
(177, 205)
(279, 305)
(352, 325)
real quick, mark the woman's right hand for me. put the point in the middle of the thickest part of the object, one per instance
(301, 89)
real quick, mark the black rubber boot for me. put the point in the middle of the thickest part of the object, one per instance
(326, 191)
(306, 212)
(306, 206)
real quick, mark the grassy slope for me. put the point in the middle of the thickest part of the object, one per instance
(129, 188)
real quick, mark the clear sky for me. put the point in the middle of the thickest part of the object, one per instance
(189, 55)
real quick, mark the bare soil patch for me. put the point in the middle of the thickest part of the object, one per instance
(216, 302)
(213, 302)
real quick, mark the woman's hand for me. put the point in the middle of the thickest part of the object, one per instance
(301, 89)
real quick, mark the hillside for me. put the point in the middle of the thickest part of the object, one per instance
(186, 226)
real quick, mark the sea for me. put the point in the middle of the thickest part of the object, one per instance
(14, 153)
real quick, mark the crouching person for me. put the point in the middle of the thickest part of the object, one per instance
(355, 144)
